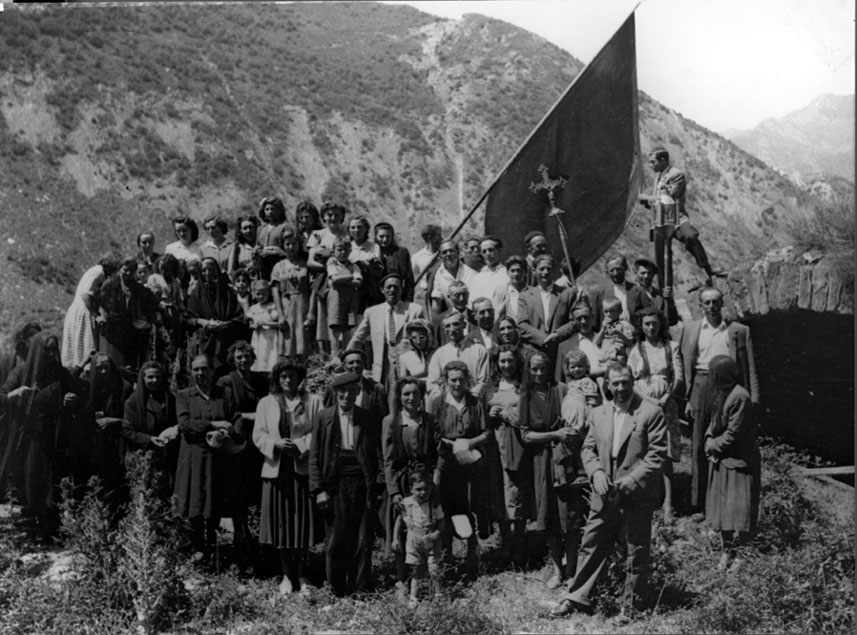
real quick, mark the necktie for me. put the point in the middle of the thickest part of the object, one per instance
(391, 329)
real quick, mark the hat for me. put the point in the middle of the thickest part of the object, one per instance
(395, 275)
(383, 225)
(343, 379)
(418, 324)
(532, 235)
(646, 263)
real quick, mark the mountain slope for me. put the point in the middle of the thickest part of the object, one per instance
(115, 118)
(818, 139)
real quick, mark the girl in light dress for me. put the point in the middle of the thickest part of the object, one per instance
(290, 284)
(344, 281)
(267, 340)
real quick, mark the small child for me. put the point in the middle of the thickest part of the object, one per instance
(267, 340)
(422, 515)
(580, 384)
(194, 271)
(614, 330)
(344, 280)
(241, 282)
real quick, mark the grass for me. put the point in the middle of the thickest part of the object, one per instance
(797, 577)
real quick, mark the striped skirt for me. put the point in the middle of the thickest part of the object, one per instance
(287, 515)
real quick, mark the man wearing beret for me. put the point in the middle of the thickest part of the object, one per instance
(384, 326)
(347, 483)
(644, 294)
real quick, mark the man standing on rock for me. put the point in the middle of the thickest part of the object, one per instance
(671, 181)
(699, 342)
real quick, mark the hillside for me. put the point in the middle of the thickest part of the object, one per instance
(115, 118)
(817, 139)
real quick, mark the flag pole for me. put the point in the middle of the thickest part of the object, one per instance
(509, 163)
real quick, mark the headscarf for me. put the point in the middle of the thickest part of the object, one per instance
(214, 300)
(43, 367)
(724, 375)
(108, 394)
(142, 394)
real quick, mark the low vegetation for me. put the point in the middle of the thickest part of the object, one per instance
(134, 575)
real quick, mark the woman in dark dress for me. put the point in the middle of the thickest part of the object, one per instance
(269, 237)
(559, 510)
(214, 312)
(282, 434)
(205, 475)
(96, 442)
(40, 398)
(409, 441)
(247, 389)
(127, 315)
(462, 476)
(149, 424)
(734, 473)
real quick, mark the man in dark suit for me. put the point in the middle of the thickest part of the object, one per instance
(623, 455)
(644, 295)
(371, 395)
(459, 297)
(699, 342)
(344, 469)
(544, 311)
(616, 287)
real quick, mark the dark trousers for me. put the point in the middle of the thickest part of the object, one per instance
(688, 235)
(615, 523)
(349, 552)
(700, 403)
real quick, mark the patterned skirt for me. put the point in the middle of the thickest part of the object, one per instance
(287, 518)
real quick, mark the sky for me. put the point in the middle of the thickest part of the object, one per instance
(726, 64)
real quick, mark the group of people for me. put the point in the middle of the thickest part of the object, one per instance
(468, 394)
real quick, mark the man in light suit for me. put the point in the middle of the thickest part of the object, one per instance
(699, 342)
(384, 325)
(544, 311)
(623, 455)
(344, 469)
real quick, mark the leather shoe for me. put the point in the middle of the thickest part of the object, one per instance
(567, 607)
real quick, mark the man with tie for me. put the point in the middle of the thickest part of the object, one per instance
(699, 342)
(544, 311)
(623, 455)
(344, 465)
(384, 325)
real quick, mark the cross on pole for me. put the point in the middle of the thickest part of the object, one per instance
(551, 187)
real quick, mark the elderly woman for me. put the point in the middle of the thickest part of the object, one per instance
(205, 474)
(657, 367)
(215, 314)
(282, 433)
(40, 399)
(244, 245)
(734, 474)
(269, 237)
(462, 470)
(409, 441)
(149, 424)
(79, 336)
(127, 317)
(247, 388)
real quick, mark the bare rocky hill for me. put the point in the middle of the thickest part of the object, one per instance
(117, 118)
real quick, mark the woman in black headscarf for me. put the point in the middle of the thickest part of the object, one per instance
(96, 441)
(732, 499)
(149, 424)
(213, 310)
(40, 398)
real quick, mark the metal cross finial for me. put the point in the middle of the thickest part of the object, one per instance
(552, 186)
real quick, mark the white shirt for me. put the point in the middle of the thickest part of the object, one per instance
(452, 401)
(419, 261)
(546, 303)
(713, 341)
(621, 295)
(512, 295)
(362, 253)
(620, 416)
(490, 283)
(443, 278)
(486, 338)
(346, 429)
(183, 253)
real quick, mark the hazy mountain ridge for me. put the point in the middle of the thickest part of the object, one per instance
(117, 118)
(817, 139)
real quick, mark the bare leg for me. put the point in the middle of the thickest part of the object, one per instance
(668, 490)
(555, 548)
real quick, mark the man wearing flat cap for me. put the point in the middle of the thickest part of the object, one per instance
(384, 326)
(492, 279)
(346, 480)
(644, 294)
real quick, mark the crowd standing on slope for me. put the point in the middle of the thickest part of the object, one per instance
(470, 394)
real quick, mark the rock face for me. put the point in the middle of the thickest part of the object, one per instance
(799, 306)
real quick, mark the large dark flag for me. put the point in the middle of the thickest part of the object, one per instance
(583, 159)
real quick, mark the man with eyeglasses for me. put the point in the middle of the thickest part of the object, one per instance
(699, 342)
(492, 279)
(218, 246)
(451, 268)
